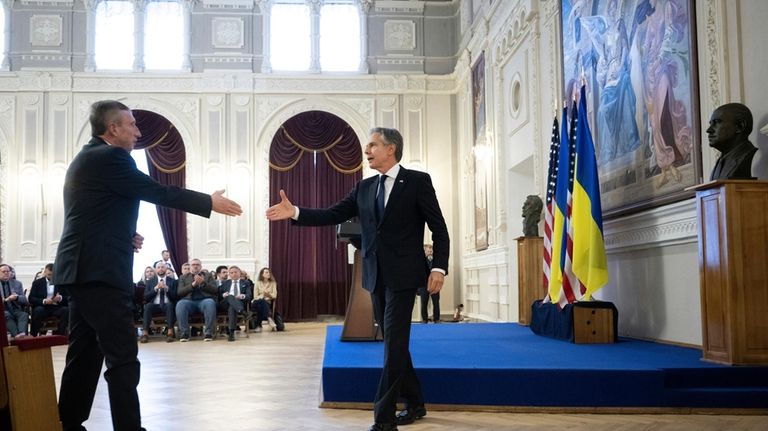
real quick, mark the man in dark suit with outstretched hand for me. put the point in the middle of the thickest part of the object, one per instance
(94, 262)
(392, 208)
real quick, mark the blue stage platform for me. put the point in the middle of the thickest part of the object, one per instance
(506, 365)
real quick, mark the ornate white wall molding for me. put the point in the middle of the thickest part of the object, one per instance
(399, 35)
(389, 6)
(228, 4)
(659, 227)
(45, 30)
(715, 35)
(520, 22)
(227, 32)
(489, 258)
(222, 81)
(58, 3)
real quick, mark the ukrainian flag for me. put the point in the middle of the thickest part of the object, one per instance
(559, 234)
(589, 262)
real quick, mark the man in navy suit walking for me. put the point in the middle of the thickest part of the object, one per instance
(94, 261)
(392, 208)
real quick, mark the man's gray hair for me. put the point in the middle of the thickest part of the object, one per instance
(391, 137)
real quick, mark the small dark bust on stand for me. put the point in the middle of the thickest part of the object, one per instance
(531, 215)
(728, 132)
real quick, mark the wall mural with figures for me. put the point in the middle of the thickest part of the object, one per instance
(639, 65)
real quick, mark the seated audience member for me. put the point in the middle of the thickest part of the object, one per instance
(197, 291)
(47, 301)
(265, 291)
(149, 272)
(184, 269)
(235, 293)
(160, 297)
(15, 303)
(166, 258)
(222, 272)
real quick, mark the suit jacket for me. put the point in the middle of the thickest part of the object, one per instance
(208, 290)
(17, 288)
(39, 291)
(243, 285)
(150, 293)
(396, 242)
(102, 190)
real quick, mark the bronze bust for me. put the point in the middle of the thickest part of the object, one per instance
(531, 215)
(728, 132)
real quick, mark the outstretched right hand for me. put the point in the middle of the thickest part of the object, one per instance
(223, 205)
(281, 210)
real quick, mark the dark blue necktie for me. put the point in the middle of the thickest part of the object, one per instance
(380, 197)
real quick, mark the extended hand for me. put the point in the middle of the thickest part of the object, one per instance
(435, 282)
(224, 205)
(138, 241)
(281, 210)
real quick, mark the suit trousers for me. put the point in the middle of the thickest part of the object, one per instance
(16, 319)
(234, 307)
(392, 310)
(152, 309)
(42, 312)
(101, 330)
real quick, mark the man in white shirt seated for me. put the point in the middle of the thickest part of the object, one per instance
(47, 301)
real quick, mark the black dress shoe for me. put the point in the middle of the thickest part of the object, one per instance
(231, 336)
(409, 415)
(382, 427)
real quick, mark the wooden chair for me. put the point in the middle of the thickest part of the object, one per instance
(26, 379)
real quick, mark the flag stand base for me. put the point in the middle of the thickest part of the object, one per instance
(589, 322)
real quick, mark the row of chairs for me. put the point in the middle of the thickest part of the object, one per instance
(196, 320)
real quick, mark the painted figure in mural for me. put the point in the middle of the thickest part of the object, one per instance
(531, 215)
(728, 132)
(667, 115)
(616, 122)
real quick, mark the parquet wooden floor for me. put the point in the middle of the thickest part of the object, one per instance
(271, 382)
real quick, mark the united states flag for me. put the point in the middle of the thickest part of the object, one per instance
(554, 148)
(572, 287)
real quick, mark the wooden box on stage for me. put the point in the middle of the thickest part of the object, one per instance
(733, 270)
(593, 325)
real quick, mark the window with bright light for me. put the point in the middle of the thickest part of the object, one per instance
(289, 39)
(164, 35)
(148, 226)
(339, 37)
(114, 35)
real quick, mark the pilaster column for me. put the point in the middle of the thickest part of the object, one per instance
(365, 7)
(314, 34)
(90, 35)
(266, 19)
(6, 4)
(186, 58)
(139, 18)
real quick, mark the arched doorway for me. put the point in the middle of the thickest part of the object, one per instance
(316, 158)
(166, 160)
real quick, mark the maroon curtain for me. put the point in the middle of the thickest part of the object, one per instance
(166, 158)
(317, 159)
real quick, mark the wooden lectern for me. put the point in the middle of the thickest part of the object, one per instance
(733, 268)
(530, 253)
(359, 324)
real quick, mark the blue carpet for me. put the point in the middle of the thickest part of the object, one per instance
(504, 364)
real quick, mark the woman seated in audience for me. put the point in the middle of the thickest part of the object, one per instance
(138, 292)
(264, 292)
